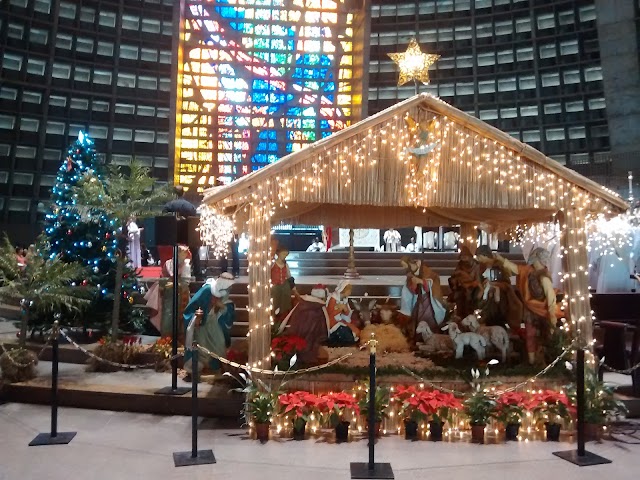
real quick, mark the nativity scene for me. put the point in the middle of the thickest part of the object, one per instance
(432, 165)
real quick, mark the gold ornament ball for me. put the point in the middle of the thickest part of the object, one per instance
(131, 300)
(104, 249)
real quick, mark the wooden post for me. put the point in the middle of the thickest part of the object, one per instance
(259, 284)
(575, 265)
(351, 266)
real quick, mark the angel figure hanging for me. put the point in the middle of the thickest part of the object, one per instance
(422, 133)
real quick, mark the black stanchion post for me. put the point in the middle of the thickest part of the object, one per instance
(371, 469)
(174, 389)
(580, 456)
(195, 456)
(54, 437)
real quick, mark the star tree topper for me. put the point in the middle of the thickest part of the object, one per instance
(414, 65)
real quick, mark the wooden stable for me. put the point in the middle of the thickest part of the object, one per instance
(366, 176)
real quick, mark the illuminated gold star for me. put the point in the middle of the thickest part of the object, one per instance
(414, 65)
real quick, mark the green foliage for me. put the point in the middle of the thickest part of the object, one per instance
(600, 403)
(119, 193)
(45, 285)
(261, 397)
(381, 401)
(92, 242)
(479, 407)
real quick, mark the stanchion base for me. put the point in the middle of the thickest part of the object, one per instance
(62, 438)
(176, 392)
(380, 470)
(586, 460)
(184, 459)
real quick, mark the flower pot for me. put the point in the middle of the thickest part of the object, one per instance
(511, 431)
(342, 432)
(592, 431)
(410, 430)
(262, 431)
(435, 431)
(477, 433)
(553, 432)
(376, 427)
(299, 429)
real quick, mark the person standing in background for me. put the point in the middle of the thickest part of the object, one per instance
(133, 231)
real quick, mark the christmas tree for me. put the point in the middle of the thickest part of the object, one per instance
(92, 242)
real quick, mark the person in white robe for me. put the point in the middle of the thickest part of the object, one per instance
(133, 250)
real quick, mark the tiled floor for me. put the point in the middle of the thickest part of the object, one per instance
(123, 446)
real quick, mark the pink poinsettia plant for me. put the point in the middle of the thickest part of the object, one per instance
(334, 405)
(298, 406)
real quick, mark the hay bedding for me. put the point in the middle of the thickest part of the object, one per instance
(360, 358)
(390, 338)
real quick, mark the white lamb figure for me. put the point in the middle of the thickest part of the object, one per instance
(495, 335)
(434, 342)
(460, 339)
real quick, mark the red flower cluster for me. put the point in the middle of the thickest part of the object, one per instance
(301, 403)
(548, 397)
(338, 403)
(286, 346)
(132, 340)
(513, 399)
(551, 403)
(431, 403)
(163, 342)
(510, 407)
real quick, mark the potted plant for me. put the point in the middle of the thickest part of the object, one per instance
(261, 399)
(479, 408)
(440, 405)
(553, 407)
(259, 405)
(299, 406)
(334, 405)
(599, 405)
(43, 284)
(380, 404)
(411, 410)
(510, 409)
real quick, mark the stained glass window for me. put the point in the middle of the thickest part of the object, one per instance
(259, 79)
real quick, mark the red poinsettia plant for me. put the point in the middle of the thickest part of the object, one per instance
(551, 405)
(163, 346)
(334, 405)
(432, 405)
(285, 347)
(510, 407)
(298, 406)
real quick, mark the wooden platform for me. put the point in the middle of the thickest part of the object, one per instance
(131, 391)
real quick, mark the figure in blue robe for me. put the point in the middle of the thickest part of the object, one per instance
(214, 331)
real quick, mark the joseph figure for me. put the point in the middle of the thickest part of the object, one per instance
(421, 299)
(539, 298)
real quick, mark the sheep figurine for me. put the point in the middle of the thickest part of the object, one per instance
(434, 342)
(494, 335)
(475, 341)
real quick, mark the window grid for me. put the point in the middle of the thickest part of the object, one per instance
(80, 93)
